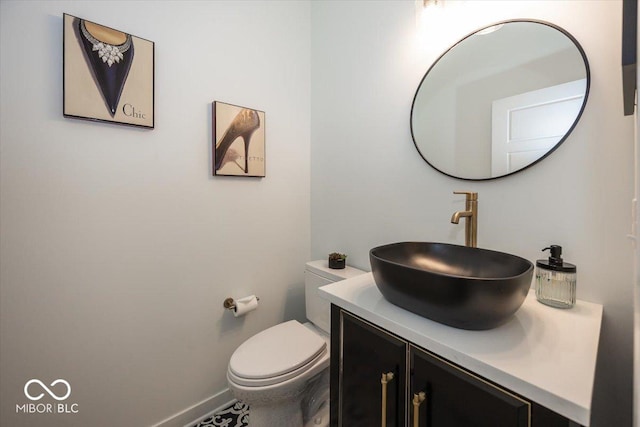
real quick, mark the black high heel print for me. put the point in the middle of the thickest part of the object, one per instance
(109, 64)
(243, 125)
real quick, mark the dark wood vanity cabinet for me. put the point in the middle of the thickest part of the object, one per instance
(369, 354)
(454, 397)
(422, 385)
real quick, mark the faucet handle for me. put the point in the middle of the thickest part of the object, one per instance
(471, 195)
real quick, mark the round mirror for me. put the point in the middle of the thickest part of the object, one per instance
(500, 100)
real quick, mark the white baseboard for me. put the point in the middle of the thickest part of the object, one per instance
(201, 410)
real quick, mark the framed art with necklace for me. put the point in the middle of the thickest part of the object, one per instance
(108, 75)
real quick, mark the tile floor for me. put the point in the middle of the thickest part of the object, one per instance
(236, 415)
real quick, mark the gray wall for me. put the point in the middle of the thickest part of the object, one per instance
(370, 187)
(117, 246)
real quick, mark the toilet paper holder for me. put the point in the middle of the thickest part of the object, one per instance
(230, 304)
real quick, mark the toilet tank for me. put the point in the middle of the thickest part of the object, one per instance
(317, 274)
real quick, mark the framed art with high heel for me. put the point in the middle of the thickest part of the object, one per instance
(238, 141)
(108, 75)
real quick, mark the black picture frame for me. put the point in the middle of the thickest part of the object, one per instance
(108, 75)
(629, 53)
(238, 141)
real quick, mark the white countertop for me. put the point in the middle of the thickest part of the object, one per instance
(545, 354)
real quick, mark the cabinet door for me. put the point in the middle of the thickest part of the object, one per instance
(456, 398)
(361, 354)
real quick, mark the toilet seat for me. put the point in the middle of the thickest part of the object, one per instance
(276, 354)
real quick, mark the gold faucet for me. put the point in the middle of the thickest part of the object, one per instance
(471, 218)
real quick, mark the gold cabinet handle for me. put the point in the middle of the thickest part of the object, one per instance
(418, 398)
(384, 380)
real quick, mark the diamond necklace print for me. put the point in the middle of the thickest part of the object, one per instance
(109, 63)
(110, 54)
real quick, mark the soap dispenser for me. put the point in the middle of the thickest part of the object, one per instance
(555, 280)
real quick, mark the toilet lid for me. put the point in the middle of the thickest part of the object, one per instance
(276, 351)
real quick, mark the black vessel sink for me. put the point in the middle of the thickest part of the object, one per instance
(459, 286)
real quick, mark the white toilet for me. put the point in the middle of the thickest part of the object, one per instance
(282, 373)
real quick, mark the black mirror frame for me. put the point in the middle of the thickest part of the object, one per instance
(575, 122)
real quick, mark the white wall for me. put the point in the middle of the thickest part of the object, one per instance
(370, 187)
(117, 246)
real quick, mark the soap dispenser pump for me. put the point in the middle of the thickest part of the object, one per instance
(555, 280)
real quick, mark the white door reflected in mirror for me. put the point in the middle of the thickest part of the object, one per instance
(527, 126)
